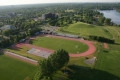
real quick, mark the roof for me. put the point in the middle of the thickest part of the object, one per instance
(5, 27)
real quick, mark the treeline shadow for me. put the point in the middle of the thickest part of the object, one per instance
(117, 43)
(1, 51)
(85, 73)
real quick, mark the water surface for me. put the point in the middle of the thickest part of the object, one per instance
(113, 14)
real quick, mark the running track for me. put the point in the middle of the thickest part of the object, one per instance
(90, 50)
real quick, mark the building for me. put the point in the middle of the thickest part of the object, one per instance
(11, 14)
(8, 27)
(38, 19)
(50, 15)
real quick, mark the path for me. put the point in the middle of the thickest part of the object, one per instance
(31, 61)
(116, 31)
(90, 50)
(110, 33)
(105, 46)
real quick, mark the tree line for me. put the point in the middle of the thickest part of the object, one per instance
(101, 39)
(12, 39)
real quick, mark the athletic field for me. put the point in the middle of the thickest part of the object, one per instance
(57, 43)
(13, 69)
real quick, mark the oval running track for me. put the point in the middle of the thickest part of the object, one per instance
(90, 50)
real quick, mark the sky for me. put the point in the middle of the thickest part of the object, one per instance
(16, 2)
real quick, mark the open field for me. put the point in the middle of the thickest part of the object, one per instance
(84, 29)
(107, 63)
(55, 43)
(13, 69)
(106, 67)
(115, 34)
(116, 28)
(108, 60)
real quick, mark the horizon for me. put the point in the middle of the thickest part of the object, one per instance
(22, 2)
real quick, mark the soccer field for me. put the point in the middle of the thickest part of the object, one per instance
(58, 43)
(13, 69)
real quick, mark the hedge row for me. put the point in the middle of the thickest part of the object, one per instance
(101, 39)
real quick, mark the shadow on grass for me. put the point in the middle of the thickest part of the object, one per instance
(117, 43)
(106, 51)
(16, 48)
(1, 53)
(86, 73)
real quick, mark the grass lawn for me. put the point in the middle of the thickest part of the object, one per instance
(106, 67)
(107, 64)
(23, 52)
(116, 28)
(84, 29)
(55, 43)
(108, 60)
(115, 34)
(13, 69)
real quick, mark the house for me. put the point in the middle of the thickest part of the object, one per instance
(38, 19)
(8, 27)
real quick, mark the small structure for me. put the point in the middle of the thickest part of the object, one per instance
(1, 51)
(38, 19)
(67, 35)
(90, 61)
(37, 33)
(22, 40)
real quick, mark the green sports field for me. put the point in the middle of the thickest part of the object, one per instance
(13, 69)
(84, 29)
(57, 43)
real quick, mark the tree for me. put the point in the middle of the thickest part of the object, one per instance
(44, 70)
(54, 63)
(101, 20)
(59, 59)
(107, 21)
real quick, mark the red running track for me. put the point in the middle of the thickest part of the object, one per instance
(90, 50)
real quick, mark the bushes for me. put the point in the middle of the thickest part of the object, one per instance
(101, 39)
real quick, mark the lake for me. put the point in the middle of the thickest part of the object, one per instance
(113, 14)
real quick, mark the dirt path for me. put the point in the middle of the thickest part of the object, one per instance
(21, 58)
(90, 50)
(105, 46)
